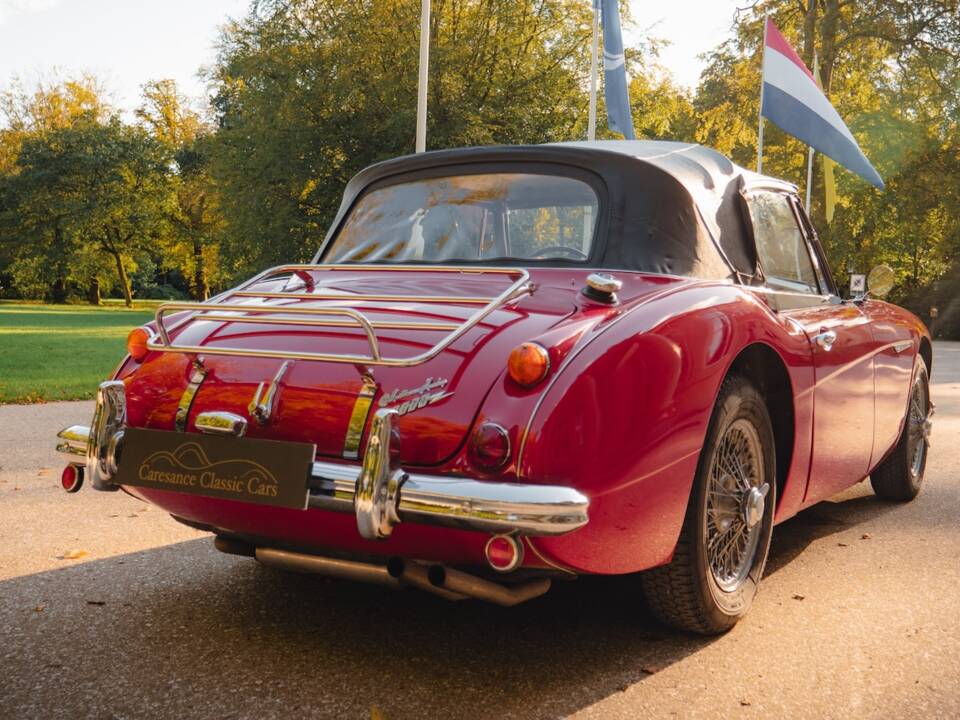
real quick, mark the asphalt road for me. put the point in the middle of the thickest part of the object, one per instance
(110, 609)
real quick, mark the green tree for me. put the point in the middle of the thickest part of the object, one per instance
(34, 241)
(81, 190)
(308, 92)
(195, 223)
(891, 69)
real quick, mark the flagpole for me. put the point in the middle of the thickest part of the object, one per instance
(594, 48)
(763, 57)
(811, 151)
(422, 82)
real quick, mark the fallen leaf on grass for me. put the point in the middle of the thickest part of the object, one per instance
(842, 545)
(795, 596)
(866, 536)
(43, 472)
(745, 703)
(650, 669)
(74, 554)
(39, 608)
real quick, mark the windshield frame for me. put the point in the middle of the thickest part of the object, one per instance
(598, 241)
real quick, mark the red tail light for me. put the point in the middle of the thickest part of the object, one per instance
(72, 478)
(490, 446)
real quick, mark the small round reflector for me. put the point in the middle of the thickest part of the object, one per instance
(137, 343)
(490, 446)
(528, 364)
(504, 553)
(72, 478)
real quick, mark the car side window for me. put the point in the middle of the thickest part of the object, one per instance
(781, 245)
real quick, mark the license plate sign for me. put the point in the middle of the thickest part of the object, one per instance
(264, 472)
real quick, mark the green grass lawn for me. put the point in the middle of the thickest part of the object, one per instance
(61, 352)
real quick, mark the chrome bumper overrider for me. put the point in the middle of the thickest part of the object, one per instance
(378, 492)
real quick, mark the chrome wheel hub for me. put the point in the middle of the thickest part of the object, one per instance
(735, 506)
(754, 503)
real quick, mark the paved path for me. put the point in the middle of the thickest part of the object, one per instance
(859, 617)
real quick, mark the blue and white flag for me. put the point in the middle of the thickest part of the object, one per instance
(793, 101)
(619, 118)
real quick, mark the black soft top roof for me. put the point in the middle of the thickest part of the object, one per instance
(666, 207)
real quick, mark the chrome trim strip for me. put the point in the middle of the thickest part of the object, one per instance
(899, 347)
(219, 422)
(358, 418)
(319, 316)
(197, 376)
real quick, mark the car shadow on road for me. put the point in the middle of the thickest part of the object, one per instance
(185, 630)
(846, 511)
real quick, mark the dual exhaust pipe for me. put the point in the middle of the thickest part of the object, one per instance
(438, 580)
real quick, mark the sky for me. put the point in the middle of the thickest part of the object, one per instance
(125, 43)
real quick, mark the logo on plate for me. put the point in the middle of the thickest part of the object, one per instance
(189, 467)
(410, 399)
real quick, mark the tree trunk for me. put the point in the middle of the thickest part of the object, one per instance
(124, 280)
(200, 290)
(828, 42)
(93, 294)
(810, 32)
(58, 293)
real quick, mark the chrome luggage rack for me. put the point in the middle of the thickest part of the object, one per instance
(221, 309)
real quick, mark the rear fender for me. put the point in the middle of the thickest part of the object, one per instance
(625, 418)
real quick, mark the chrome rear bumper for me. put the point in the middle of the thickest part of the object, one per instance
(378, 492)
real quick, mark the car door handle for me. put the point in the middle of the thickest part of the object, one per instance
(826, 339)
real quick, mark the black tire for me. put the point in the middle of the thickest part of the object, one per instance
(899, 477)
(686, 593)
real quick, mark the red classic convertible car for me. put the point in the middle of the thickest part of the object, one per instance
(510, 364)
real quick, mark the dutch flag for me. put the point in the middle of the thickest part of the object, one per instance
(792, 101)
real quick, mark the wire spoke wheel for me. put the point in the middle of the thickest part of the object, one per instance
(899, 476)
(735, 503)
(917, 429)
(718, 561)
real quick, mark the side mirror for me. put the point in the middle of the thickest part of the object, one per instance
(880, 281)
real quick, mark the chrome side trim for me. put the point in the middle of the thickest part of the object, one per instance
(197, 376)
(899, 347)
(218, 422)
(329, 305)
(358, 418)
